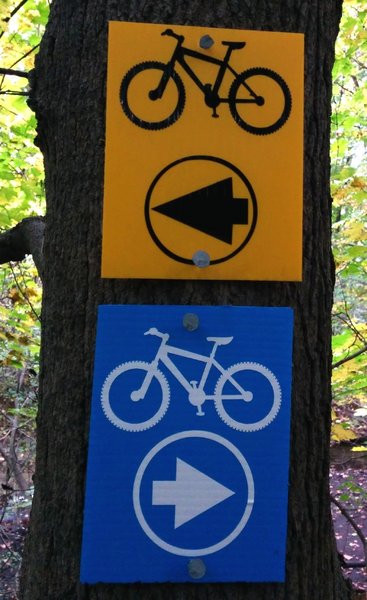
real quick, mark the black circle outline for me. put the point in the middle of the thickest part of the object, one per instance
(221, 161)
(287, 100)
(171, 119)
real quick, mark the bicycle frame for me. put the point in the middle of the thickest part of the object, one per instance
(179, 56)
(210, 92)
(162, 356)
(209, 360)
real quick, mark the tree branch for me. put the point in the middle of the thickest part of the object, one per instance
(24, 56)
(13, 12)
(24, 296)
(350, 357)
(13, 467)
(13, 93)
(14, 73)
(25, 238)
(356, 528)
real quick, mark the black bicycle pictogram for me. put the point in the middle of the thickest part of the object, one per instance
(252, 95)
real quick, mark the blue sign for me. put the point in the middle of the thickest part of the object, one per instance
(189, 445)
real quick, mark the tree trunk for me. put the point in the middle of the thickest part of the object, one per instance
(69, 99)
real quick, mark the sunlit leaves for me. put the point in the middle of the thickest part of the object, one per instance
(340, 433)
(350, 377)
(20, 305)
(349, 191)
(360, 448)
(21, 180)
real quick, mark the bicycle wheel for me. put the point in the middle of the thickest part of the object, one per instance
(258, 383)
(260, 101)
(139, 101)
(117, 402)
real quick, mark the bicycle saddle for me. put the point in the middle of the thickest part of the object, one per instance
(235, 45)
(221, 341)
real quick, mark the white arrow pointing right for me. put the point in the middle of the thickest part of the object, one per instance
(191, 493)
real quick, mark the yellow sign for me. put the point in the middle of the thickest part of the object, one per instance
(204, 154)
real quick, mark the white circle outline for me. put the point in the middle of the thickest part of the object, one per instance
(139, 476)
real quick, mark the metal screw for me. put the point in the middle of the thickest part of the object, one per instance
(206, 42)
(190, 321)
(201, 259)
(196, 568)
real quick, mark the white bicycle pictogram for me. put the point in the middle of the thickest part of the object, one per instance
(145, 373)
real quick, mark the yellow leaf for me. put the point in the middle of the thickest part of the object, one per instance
(339, 434)
(356, 232)
(358, 182)
(359, 449)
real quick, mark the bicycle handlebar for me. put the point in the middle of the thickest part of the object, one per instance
(170, 33)
(154, 331)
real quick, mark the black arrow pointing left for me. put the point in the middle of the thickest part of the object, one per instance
(211, 209)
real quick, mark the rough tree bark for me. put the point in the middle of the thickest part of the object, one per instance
(25, 238)
(69, 99)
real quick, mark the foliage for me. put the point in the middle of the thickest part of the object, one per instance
(349, 487)
(21, 195)
(21, 179)
(349, 191)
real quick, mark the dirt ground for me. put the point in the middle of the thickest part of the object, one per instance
(348, 486)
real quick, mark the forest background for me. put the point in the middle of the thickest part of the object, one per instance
(22, 195)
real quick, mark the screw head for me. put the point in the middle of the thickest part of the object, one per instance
(201, 259)
(196, 568)
(190, 321)
(206, 42)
